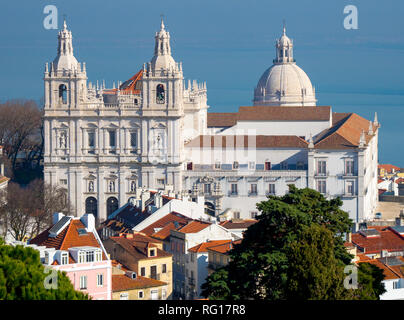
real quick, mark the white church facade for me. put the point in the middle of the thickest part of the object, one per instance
(154, 131)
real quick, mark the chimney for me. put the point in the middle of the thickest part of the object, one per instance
(89, 221)
(349, 237)
(158, 200)
(56, 217)
(145, 195)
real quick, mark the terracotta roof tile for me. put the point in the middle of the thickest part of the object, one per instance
(268, 113)
(388, 167)
(388, 240)
(345, 134)
(237, 224)
(121, 282)
(246, 141)
(223, 248)
(67, 238)
(166, 224)
(194, 226)
(203, 247)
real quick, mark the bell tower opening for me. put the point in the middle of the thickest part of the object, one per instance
(63, 94)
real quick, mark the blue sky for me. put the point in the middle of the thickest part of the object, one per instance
(229, 44)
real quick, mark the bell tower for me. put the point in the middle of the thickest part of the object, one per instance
(65, 78)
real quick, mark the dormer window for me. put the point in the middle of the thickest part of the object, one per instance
(64, 258)
(152, 252)
(90, 256)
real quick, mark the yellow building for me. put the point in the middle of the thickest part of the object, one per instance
(129, 286)
(144, 256)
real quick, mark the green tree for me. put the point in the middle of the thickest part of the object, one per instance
(23, 277)
(295, 250)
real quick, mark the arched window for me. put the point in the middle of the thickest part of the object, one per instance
(160, 94)
(112, 205)
(91, 206)
(63, 93)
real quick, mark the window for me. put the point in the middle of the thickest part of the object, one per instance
(233, 188)
(140, 295)
(153, 272)
(152, 252)
(206, 188)
(98, 255)
(132, 186)
(133, 139)
(112, 137)
(284, 165)
(349, 167)
(217, 165)
(63, 93)
(254, 214)
(46, 257)
(124, 296)
(82, 257)
(192, 257)
(300, 165)
(251, 165)
(163, 294)
(100, 280)
(235, 165)
(160, 94)
(236, 215)
(143, 271)
(83, 282)
(64, 258)
(253, 188)
(63, 181)
(349, 188)
(321, 186)
(321, 167)
(161, 181)
(271, 188)
(91, 139)
(396, 285)
(90, 256)
(267, 165)
(189, 166)
(164, 268)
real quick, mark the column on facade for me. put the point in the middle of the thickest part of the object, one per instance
(79, 193)
(79, 139)
(72, 182)
(122, 189)
(102, 213)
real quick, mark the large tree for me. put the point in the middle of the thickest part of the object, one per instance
(21, 134)
(295, 250)
(27, 211)
(23, 277)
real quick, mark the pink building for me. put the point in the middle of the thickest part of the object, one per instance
(72, 245)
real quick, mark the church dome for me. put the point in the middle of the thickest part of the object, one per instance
(284, 83)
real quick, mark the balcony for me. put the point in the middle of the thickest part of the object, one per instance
(252, 193)
(322, 174)
(233, 194)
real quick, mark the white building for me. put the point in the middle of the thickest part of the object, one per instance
(153, 131)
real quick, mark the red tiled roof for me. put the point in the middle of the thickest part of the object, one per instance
(245, 141)
(203, 247)
(129, 86)
(388, 167)
(121, 282)
(67, 238)
(268, 113)
(166, 224)
(194, 226)
(137, 247)
(225, 247)
(390, 272)
(237, 224)
(388, 240)
(345, 134)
